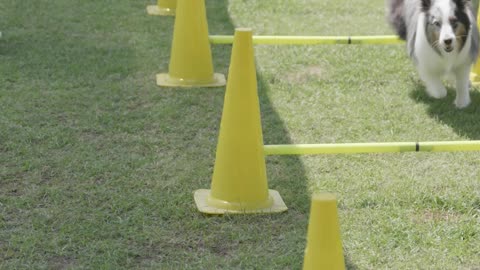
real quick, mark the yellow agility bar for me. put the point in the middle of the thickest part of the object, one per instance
(312, 40)
(362, 148)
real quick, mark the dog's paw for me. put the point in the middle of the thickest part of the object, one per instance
(462, 102)
(437, 92)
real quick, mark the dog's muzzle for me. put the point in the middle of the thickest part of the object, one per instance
(448, 45)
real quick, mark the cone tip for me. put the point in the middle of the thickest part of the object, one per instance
(243, 29)
(325, 197)
(243, 35)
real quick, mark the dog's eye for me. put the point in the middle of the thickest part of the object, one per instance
(436, 23)
(454, 23)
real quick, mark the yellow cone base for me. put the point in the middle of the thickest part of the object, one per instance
(201, 199)
(164, 79)
(157, 11)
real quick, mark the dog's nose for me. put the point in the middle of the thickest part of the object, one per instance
(448, 41)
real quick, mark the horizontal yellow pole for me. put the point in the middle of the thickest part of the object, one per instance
(357, 148)
(311, 40)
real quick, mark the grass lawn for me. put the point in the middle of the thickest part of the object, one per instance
(98, 165)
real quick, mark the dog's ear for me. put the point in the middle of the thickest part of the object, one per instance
(426, 5)
(462, 3)
(466, 2)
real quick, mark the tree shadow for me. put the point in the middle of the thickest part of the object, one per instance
(463, 121)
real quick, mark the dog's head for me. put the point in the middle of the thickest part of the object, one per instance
(447, 23)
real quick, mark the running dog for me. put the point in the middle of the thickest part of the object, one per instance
(442, 40)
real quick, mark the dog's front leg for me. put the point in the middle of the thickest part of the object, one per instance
(462, 82)
(433, 83)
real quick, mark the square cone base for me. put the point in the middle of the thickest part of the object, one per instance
(164, 79)
(155, 10)
(201, 197)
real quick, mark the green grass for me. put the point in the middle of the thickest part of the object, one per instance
(98, 165)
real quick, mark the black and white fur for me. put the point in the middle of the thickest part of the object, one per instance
(442, 39)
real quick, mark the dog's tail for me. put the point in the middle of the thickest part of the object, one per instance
(396, 17)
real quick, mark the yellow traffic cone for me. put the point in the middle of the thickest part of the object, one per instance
(475, 74)
(191, 59)
(324, 247)
(163, 8)
(239, 182)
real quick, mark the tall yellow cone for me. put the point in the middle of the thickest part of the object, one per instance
(191, 59)
(239, 182)
(163, 8)
(324, 247)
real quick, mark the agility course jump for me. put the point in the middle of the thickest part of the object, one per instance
(239, 183)
(364, 148)
(240, 143)
(312, 40)
(192, 66)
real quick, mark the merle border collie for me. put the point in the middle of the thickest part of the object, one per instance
(442, 40)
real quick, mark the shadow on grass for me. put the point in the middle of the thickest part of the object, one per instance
(463, 121)
(122, 188)
(69, 45)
